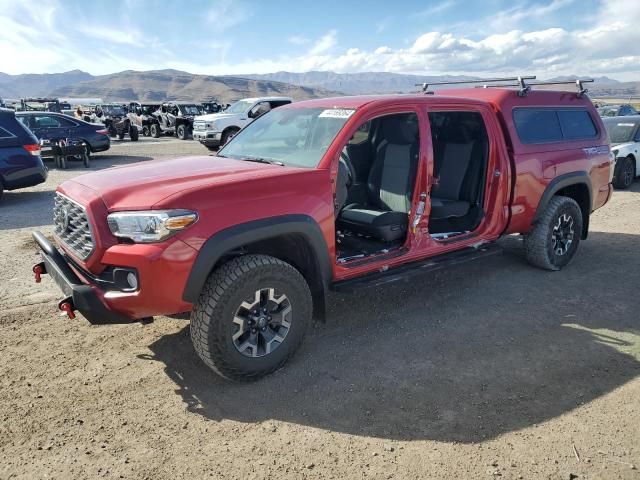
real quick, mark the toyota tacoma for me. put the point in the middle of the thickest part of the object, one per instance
(328, 194)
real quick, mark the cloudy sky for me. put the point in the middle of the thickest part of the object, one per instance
(544, 37)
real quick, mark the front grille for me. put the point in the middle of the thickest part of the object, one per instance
(198, 125)
(71, 226)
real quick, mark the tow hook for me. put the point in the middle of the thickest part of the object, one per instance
(39, 270)
(67, 307)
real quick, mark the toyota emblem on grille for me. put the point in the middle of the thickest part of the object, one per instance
(66, 219)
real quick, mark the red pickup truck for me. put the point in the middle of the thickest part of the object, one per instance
(337, 193)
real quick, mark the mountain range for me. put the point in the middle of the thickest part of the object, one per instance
(159, 85)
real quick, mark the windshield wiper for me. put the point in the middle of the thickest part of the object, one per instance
(262, 160)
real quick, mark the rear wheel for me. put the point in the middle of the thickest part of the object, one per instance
(133, 133)
(251, 316)
(155, 130)
(182, 132)
(625, 173)
(86, 156)
(145, 131)
(554, 240)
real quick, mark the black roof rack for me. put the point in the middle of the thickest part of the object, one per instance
(524, 87)
(521, 82)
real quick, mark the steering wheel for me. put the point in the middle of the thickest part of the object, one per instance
(344, 159)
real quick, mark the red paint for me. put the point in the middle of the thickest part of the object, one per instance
(228, 192)
(38, 271)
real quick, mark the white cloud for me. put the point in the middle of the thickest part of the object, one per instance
(298, 40)
(110, 34)
(325, 43)
(226, 14)
(437, 9)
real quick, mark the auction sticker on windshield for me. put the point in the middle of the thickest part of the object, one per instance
(336, 113)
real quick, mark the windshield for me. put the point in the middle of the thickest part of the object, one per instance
(190, 109)
(113, 109)
(239, 107)
(620, 131)
(297, 137)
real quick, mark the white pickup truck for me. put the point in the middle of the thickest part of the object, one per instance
(216, 129)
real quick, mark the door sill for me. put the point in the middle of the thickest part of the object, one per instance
(410, 270)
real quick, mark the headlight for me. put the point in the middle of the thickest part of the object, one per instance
(151, 226)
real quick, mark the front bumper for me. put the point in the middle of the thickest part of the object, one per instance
(207, 138)
(79, 296)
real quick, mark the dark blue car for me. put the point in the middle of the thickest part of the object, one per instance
(55, 126)
(20, 162)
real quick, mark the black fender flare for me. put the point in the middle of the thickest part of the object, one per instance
(563, 181)
(560, 182)
(237, 236)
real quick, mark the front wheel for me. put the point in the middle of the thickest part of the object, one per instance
(251, 316)
(227, 135)
(182, 132)
(133, 133)
(554, 240)
(155, 130)
(145, 131)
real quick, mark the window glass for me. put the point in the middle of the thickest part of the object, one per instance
(5, 133)
(546, 125)
(576, 124)
(362, 134)
(537, 125)
(45, 121)
(296, 137)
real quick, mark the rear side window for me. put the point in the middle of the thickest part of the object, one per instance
(547, 125)
(576, 124)
(5, 133)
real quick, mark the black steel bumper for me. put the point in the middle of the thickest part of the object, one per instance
(78, 295)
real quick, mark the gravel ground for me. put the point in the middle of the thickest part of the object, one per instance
(488, 370)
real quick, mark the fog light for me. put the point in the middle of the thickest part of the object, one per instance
(132, 280)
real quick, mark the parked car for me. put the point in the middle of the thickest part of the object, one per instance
(49, 126)
(216, 129)
(327, 194)
(616, 110)
(175, 118)
(141, 115)
(20, 162)
(624, 133)
(115, 119)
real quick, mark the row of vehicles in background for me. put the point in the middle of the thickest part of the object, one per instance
(208, 122)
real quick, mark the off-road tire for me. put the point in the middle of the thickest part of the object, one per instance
(228, 135)
(625, 173)
(154, 130)
(226, 288)
(145, 131)
(539, 244)
(182, 132)
(133, 133)
(121, 134)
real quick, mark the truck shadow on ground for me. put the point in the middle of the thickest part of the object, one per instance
(462, 355)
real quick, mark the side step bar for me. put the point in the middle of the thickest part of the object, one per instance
(406, 272)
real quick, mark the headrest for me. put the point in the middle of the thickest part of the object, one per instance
(400, 129)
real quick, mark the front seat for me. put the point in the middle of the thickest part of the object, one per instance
(390, 183)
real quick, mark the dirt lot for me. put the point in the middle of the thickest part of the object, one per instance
(489, 370)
